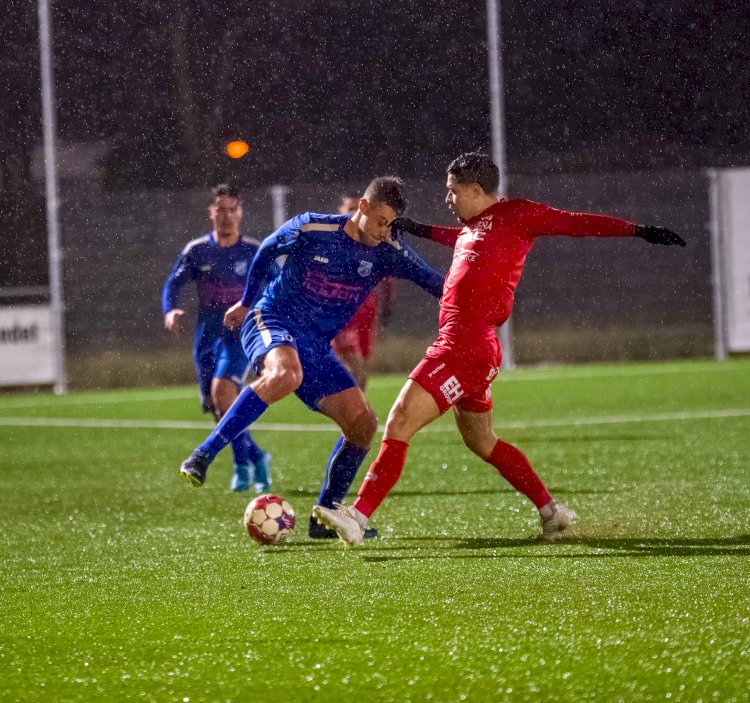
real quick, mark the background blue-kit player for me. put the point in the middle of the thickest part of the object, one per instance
(218, 262)
(306, 281)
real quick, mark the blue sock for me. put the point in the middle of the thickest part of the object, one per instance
(241, 448)
(254, 452)
(244, 411)
(345, 459)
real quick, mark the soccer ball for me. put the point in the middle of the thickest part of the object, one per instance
(269, 519)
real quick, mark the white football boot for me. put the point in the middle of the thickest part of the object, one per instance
(554, 523)
(349, 523)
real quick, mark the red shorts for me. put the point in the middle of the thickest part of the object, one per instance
(451, 383)
(359, 333)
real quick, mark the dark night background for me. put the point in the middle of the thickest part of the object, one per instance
(340, 90)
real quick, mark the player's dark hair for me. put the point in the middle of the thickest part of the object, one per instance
(224, 189)
(476, 167)
(388, 190)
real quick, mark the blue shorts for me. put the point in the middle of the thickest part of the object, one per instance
(322, 373)
(217, 354)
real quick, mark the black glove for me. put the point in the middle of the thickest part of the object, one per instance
(658, 235)
(406, 224)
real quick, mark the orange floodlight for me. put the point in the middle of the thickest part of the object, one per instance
(236, 149)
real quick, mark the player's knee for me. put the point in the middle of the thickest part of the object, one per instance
(397, 418)
(217, 411)
(282, 381)
(362, 429)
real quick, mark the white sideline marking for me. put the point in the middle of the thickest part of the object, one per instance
(94, 399)
(550, 373)
(624, 419)
(544, 373)
(300, 427)
(152, 424)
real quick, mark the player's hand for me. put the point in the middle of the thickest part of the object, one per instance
(172, 320)
(659, 235)
(406, 224)
(235, 316)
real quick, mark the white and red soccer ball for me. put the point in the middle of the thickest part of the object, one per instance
(269, 519)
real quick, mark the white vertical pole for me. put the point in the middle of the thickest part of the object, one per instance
(497, 122)
(54, 254)
(278, 200)
(718, 280)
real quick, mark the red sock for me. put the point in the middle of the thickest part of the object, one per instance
(515, 468)
(382, 476)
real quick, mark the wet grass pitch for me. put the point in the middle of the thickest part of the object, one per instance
(120, 582)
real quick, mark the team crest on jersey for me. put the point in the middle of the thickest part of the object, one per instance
(240, 267)
(365, 268)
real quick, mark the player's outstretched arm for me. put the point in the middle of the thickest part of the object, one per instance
(659, 235)
(406, 263)
(441, 235)
(545, 220)
(406, 224)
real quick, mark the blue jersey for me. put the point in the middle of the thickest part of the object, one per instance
(219, 273)
(325, 275)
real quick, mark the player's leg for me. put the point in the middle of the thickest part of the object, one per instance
(251, 463)
(282, 375)
(479, 436)
(330, 389)
(248, 456)
(414, 408)
(477, 432)
(352, 413)
(204, 361)
(358, 423)
(345, 346)
(367, 333)
(352, 358)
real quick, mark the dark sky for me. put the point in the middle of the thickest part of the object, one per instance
(341, 89)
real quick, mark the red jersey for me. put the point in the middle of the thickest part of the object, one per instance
(490, 251)
(360, 332)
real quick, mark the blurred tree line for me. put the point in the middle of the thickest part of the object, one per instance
(335, 90)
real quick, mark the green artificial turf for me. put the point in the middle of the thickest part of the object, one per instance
(120, 582)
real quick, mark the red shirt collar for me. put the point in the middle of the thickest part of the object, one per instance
(485, 212)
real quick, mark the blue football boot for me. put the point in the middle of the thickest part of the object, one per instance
(242, 478)
(263, 473)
